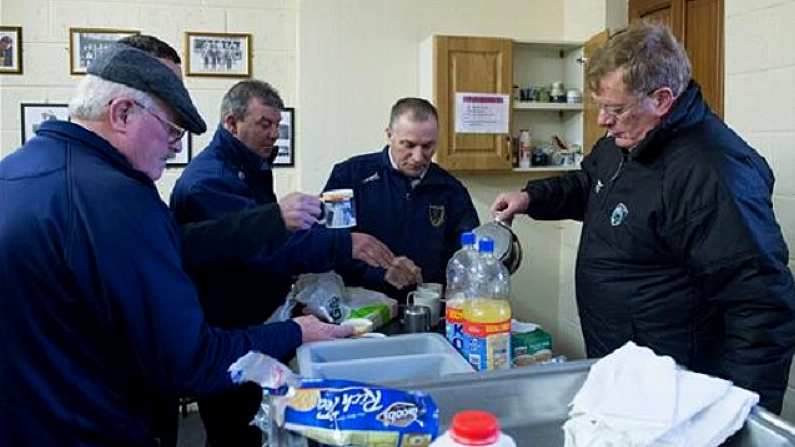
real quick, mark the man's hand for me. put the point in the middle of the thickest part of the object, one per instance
(313, 329)
(299, 211)
(370, 250)
(509, 203)
(403, 272)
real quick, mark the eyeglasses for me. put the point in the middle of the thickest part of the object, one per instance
(618, 112)
(175, 133)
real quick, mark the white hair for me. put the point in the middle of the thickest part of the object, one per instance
(94, 94)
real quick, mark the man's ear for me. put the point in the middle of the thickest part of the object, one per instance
(230, 124)
(119, 111)
(663, 100)
(388, 133)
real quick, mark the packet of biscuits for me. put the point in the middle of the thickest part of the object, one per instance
(337, 412)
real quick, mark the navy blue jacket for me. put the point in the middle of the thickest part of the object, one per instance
(97, 318)
(680, 250)
(423, 223)
(227, 177)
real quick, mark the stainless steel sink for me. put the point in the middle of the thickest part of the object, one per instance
(531, 403)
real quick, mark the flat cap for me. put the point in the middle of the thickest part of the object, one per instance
(137, 69)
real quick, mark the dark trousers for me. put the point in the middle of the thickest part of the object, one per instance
(226, 417)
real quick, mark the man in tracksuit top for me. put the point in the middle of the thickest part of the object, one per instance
(98, 319)
(233, 174)
(680, 250)
(411, 204)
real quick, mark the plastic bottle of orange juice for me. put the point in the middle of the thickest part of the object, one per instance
(458, 275)
(487, 317)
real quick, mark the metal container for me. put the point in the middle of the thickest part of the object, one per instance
(506, 245)
(417, 318)
(532, 404)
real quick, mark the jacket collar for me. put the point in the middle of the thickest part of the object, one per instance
(93, 142)
(236, 152)
(688, 110)
(432, 176)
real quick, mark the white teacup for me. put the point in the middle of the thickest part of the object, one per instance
(430, 299)
(339, 210)
(430, 287)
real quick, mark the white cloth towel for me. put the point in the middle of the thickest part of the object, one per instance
(634, 398)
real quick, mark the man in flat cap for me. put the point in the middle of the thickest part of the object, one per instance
(98, 318)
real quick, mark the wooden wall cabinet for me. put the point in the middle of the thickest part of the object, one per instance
(451, 64)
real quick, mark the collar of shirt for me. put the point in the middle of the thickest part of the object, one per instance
(413, 180)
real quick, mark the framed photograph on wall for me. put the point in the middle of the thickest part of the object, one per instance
(33, 114)
(218, 54)
(185, 155)
(10, 50)
(86, 43)
(286, 142)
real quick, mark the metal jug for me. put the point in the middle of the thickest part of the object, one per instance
(506, 245)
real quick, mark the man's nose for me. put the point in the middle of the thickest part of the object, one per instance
(603, 119)
(176, 146)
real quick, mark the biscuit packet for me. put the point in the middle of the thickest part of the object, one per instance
(336, 412)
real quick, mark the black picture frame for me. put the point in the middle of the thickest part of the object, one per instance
(285, 144)
(186, 154)
(32, 114)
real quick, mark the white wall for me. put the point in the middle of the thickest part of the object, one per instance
(760, 102)
(46, 75)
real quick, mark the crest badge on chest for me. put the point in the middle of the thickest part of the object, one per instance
(436, 215)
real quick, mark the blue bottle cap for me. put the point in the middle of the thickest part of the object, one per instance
(467, 238)
(486, 245)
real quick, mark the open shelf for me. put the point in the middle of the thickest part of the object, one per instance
(531, 105)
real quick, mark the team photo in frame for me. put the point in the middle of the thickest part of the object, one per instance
(10, 50)
(218, 54)
(86, 43)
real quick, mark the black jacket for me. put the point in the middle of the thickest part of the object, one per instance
(423, 223)
(680, 250)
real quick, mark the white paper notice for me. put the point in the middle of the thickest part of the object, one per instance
(481, 113)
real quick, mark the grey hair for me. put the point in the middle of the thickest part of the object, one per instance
(649, 55)
(416, 109)
(94, 94)
(235, 101)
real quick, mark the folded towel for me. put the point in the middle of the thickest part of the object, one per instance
(634, 398)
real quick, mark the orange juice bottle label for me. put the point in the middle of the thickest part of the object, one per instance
(486, 329)
(453, 314)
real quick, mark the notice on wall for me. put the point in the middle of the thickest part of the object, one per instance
(481, 113)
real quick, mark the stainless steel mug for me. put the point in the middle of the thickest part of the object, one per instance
(417, 318)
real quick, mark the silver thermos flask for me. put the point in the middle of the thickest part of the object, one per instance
(417, 319)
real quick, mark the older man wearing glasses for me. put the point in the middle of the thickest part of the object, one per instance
(98, 318)
(680, 249)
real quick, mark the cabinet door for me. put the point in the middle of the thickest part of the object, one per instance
(478, 65)
(698, 24)
(591, 130)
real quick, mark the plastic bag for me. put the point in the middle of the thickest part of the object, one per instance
(326, 297)
(335, 412)
(323, 295)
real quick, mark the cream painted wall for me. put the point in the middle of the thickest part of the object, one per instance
(760, 103)
(46, 78)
